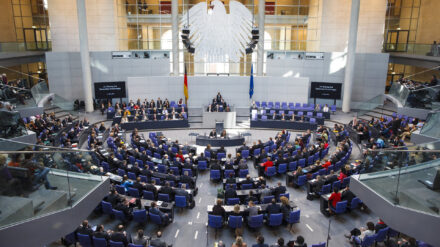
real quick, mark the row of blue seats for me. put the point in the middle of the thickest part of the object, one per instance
(254, 222)
(148, 195)
(301, 181)
(266, 199)
(341, 207)
(264, 118)
(291, 105)
(299, 114)
(85, 241)
(140, 216)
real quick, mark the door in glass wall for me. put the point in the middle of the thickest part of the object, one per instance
(397, 41)
(35, 39)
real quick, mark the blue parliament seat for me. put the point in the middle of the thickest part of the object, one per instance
(163, 197)
(235, 221)
(99, 242)
(116, 244)
(233, 201)
(180, 201)
(255, 221)
(107, 208)
(140, 216)
(84, 240)
(275, 219)
(301, 181)
(215, 221)
(149, 195)
(215, 175)
(271, 171)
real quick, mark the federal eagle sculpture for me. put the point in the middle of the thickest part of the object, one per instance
(216, 35)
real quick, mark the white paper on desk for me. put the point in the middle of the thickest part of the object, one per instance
(254, 114)
(159, 203)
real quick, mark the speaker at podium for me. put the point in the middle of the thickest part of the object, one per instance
(219, 126)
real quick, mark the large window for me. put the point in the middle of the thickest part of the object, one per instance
(31, 23)
(146, 25)
(402, 18)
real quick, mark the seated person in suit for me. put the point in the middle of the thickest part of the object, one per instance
(273, 208)
(185, 178)
(213, 134)
(154, 209)
(101, 233)
(248, 180)
(252, 197)
(140, 238)
(223, 134)
(124, 206)
(348, 196)
(167, 190)
(138, 185)
(265, 191)
(215, 166)
(260, 242)
(316, 186)
(252, 210)
(231, 179)
(157, 242)
(299, 242)
(280, 189)
(120, 236)
(114, 198)
(85, 229)
(151, 187)
(182, 192)
(230, 192)
(218, 209)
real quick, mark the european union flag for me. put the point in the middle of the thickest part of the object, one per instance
(251, 84)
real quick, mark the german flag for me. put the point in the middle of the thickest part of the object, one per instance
(185, 87)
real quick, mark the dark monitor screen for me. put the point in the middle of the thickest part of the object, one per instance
(325, 90)
(108, 90)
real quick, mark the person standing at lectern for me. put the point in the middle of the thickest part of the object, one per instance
(213, 134)
(223, 134)
(219, 97)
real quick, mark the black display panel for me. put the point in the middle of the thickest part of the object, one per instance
(325, 90)
(108, 90)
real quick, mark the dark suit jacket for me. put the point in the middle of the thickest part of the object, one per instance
(230, 193)
(103, 235)
(157, 243)
(119, 237)
(182, 192)
(218, 210)
(84, 230)
(260, 245)
(273, 209)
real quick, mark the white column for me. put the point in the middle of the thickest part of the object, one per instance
(175, 35)
(260, 51)
(351, 55)
(85, 56)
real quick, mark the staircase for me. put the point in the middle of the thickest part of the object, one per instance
(59, 113)
(385, 110)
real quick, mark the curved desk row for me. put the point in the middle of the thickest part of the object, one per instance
(218, 142)
(280, 124)
(160, 124)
